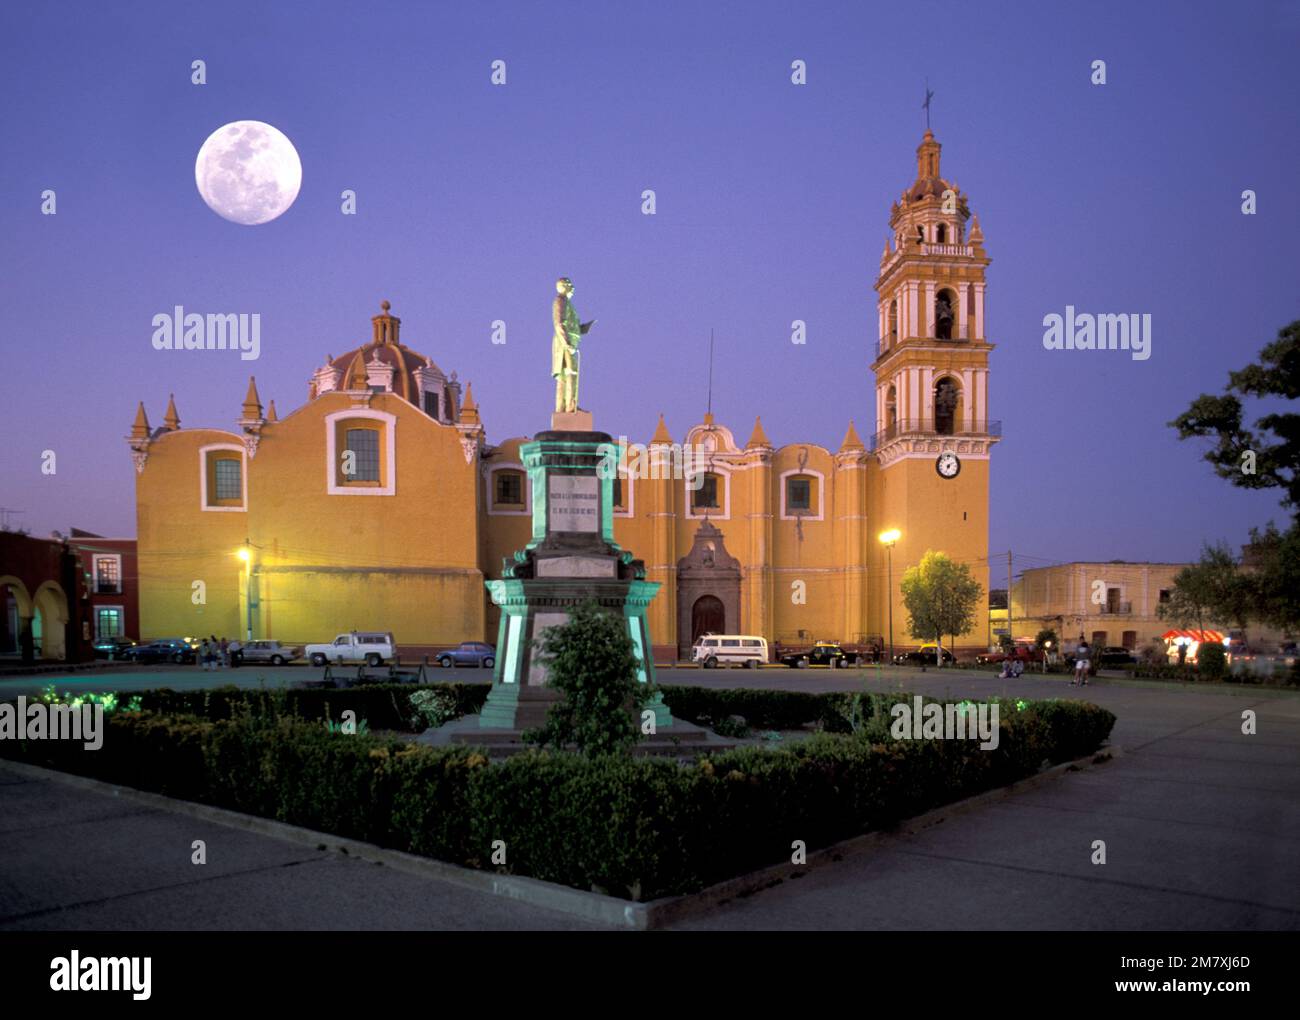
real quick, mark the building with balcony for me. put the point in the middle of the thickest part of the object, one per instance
(1111, 604)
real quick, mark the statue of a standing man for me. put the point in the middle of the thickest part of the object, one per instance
(564, 346)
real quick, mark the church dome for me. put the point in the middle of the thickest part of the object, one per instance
(384, 362)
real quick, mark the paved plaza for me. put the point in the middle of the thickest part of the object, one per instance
(1201, 826)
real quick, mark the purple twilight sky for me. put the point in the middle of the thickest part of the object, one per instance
(772, 205)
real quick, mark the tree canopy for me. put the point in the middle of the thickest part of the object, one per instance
(940, 596)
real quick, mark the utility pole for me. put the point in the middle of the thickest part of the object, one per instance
(1011, 631)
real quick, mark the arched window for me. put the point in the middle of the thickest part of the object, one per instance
(891, 409)
(920, 233)
(941, 234)
(945, 308)
(893, 321)
(947, 406)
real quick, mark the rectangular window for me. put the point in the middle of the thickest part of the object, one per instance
(364, 446)
(431, 404)
(1130, 639)
(706, 496)
(798, 494)
(510, 488)
(108, 581)
(1098, 639)
(108, 623)
(618, 493)
(1164, 594)
(228, 485)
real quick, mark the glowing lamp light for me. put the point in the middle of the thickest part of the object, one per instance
(891, 536)
(243, 555)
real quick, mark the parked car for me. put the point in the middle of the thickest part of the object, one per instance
(823, 653)
(371, 647)
(1108, 658)
(714, 650)
(274, 652)
(468, 653)
(178, 650)
(926, 655)
(1020, 652)
(113, 647)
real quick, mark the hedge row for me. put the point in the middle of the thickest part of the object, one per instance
(382, 706)
(1189, 673)
(638, 828)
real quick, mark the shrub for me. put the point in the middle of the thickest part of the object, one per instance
(632, 827)
(591, 661)
(1212, 661)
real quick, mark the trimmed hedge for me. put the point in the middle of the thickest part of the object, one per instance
(383, 706)
(638, 828)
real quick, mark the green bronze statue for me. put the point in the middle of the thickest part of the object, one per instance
(564, 346)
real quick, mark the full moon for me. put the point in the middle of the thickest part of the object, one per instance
(248, 172)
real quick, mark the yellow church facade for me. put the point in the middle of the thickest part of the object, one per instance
(381, 504)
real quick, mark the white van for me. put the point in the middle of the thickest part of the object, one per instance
(715, 650)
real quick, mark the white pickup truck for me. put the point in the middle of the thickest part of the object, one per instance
(371, 647)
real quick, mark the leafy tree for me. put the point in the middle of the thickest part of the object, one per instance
(1264, 457)
(591, 661)
(1275, 582)
(1212, 590)
(1046, 639)
(1251, 458)
(940, 597)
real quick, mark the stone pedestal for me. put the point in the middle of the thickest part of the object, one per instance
(571, 558)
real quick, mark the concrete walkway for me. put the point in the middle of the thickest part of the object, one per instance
(1201, 826)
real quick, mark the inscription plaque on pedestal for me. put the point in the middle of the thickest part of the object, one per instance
(574, 502)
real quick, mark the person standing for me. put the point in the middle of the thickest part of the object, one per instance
(1082, 663)
(205, 655)
(224, 647)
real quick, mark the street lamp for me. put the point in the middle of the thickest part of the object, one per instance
(889, 539)
(245, 555)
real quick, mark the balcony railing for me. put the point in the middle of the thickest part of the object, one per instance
(925, 429)
(891, 341)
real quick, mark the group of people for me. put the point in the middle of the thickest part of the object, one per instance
(214, 654)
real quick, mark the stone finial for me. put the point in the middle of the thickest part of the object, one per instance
(851, 440)
(140, 428)
(171, 420)
(661, 433)
(758, 437)
(270, 413)
(468, 409)
(252, 402)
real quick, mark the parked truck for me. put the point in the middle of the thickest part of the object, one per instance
(371, 647)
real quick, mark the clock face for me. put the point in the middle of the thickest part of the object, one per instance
(947, 465)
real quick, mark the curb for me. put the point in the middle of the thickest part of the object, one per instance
(595, 907)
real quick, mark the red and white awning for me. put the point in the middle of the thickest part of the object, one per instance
(1202, 636)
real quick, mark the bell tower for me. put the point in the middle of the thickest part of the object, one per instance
(933, 428)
